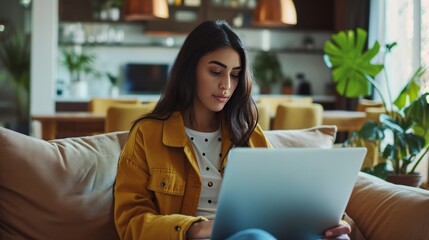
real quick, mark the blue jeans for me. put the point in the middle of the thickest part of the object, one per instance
(252, 234)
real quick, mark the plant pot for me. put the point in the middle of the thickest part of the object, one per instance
(265, 89)
(114, 91)
(412, 180)
(79, 89)
(287, 90)
(114, 14)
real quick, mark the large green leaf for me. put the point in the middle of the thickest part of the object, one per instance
(350, 63)
(380, 170)
(393, 124)
(410, 92)
(371, 131)
(418, 112)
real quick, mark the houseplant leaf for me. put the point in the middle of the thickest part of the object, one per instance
(15, 57)
(418, 111)
(380, 170)
(78, 63)
(410, 92)
(350, 63)
(371, 131)
(393, 124)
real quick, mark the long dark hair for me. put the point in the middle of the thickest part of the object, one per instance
(239, 114)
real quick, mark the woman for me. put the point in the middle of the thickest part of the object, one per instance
(171, 168)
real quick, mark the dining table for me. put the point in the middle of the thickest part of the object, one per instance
(70, 124)
(75, 124)
(345, 120)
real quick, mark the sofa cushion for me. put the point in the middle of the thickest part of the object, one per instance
(320, 136)
(60, 189)
(387, 211)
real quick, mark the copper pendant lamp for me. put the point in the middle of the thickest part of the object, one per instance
(274, 13)
(145, 10)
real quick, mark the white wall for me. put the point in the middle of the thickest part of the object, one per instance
(111, 57)
(43, 56)
(46, 68)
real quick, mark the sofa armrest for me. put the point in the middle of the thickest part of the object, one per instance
(382, 210)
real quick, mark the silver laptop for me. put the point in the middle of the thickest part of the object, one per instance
(293, 193)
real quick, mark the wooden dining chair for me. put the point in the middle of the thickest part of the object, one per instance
(100, 105)
(297, 116)
(120, 117)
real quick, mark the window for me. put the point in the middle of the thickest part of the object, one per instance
(425, 41)
(401, 21)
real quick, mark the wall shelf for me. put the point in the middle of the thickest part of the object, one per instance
(152, 45)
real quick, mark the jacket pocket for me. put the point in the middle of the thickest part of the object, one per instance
(167, 182)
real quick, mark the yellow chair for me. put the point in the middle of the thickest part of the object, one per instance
(264, 116)
(298, 116)
(120, 117)
(100, 105)
(272, 101)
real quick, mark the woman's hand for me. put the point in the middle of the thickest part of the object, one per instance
(200, 230)
(339, 232)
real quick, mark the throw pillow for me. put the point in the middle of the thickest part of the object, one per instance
(61, 189)
(320, 137)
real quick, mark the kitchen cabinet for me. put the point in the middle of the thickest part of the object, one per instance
(86, 11)
(182, 20)
(312, 15)
(77, 10)
(315, 15)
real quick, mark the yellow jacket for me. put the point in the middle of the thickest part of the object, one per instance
(158, 183)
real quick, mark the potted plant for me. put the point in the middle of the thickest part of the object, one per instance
(267, 70)
(15, 57)
(400, 139)
(114, 90)
(78, 62)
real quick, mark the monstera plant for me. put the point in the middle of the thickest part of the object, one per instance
(401, 136)
(352, 70)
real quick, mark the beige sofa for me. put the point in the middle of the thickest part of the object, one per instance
(62, 189)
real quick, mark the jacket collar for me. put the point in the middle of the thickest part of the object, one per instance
(173, 131)
(174, 135)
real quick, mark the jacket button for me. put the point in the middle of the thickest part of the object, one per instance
(177, 228)
(163, 184)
